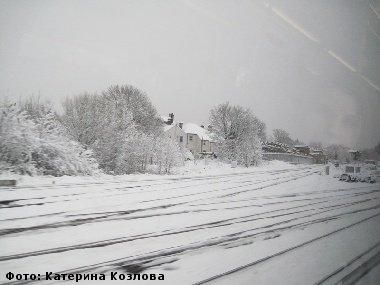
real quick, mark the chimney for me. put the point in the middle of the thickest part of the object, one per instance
(180, 125)
(171, 120)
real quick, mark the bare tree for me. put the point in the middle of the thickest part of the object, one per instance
(261, 129)
(282, 136)
(371, 153)
(316, 145)
(36, 108)
(338, 152)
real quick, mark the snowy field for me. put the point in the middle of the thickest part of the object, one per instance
(273, 224)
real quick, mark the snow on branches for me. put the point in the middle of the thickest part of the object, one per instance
(123, 129)
(236, 131)
(37, 146)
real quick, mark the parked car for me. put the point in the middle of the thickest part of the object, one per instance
(348, 178)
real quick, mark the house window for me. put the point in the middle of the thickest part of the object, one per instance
(181, 139)
(190, 138)
(204, 143)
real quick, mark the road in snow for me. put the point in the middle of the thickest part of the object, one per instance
(279, 226)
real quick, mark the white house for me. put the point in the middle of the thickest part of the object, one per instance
(198, 138)
(191, 136)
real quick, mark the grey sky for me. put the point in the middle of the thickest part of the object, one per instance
(309, 67)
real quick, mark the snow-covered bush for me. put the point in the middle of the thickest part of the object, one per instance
(135, 154)
(141, 151)
(18, 140)
(38, 147)
(167, 154)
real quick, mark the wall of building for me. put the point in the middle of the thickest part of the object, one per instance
(175, 133)
(193, 143)
(206, 146)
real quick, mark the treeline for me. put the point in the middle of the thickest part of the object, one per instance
(118, 131)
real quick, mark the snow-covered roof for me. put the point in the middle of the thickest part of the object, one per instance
(353, 150)
(191, 128)
(302, 145)
(168, 127)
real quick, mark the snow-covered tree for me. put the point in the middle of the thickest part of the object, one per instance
(127, 97)
(123, 129)
(121, 126)
(85, 116)
(18, 140)
(236, 133)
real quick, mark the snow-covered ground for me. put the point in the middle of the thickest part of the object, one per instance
(205, 224)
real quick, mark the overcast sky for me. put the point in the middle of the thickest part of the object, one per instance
(309, 67)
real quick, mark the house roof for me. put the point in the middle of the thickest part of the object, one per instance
(191, 128)
(168, 127)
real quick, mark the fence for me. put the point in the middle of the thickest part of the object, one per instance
(288, 157)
